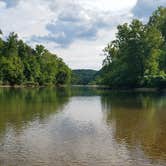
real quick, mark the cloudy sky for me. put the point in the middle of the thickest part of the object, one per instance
(77, 30)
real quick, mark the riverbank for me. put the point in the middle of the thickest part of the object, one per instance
(86, 86)
(143, 89)
(26, 86)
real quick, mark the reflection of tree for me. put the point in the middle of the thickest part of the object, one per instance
(139, 120)
(20, 106)
(83, 91)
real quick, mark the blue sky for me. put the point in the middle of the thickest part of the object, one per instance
(77, 30)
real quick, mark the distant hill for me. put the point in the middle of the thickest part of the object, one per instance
(83, 76)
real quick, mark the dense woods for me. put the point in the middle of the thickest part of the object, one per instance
(21, 64)
(137, 57)
(83, 76)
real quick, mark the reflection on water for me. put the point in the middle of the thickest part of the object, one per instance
(21, 106)
(81, 126)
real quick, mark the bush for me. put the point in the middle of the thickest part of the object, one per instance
(155, 81)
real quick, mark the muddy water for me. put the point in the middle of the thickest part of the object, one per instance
(81, 127)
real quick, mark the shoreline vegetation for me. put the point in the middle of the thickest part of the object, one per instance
(135, 60)
(137, 57)
(106, 87)
(22, 65)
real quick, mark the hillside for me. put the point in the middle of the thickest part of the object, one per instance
(82, 76)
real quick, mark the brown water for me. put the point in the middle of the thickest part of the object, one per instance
(81, 127)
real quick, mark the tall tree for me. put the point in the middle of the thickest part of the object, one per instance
(138, 55)
(21, 64)
(11, 45)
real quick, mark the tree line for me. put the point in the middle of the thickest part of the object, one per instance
(21, 64)
(82, 76)
(137, 57)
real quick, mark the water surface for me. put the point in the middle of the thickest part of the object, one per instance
(81, 127)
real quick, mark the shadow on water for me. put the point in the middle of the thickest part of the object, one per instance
(139, 119)
(18, 107)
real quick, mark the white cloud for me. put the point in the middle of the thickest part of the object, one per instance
(83, 23)
(108, 5)
(27, 18)
(87, 54)
(82, 27)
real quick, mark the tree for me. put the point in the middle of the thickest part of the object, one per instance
(11, 47)
(21, 64)
(31, 69)
(158, 20)
(64, 73)
(153, 49)
(125, 55)
(1, 43)
(40, 50)
(12, 69)
(137, 57)
(49, 68)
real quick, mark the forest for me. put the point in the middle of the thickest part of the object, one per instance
(83, 76)
(137, 57)
(21, 64)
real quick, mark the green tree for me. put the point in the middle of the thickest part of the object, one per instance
(31, 69)
(11, 47)
(125, 55)
(12, 70)
(40, 50)
(1, 43)
(21, 64)
(158, 20)
(48, 67)
(64, 73)
(137, 57)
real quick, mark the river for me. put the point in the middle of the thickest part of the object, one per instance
(82, 127)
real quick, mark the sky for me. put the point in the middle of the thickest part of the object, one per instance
(76, 30)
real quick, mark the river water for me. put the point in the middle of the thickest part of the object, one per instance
(82, 127)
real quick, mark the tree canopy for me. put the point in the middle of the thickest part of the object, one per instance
(83, 76)
(22, 64)
(137, 57)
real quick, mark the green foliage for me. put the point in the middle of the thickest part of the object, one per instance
(21, 64)
(10, 46)
(158, 20)
(64, 74)
(11, 70)
(155, 81)
(83, 77)
(48, 68)
(138, 55)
